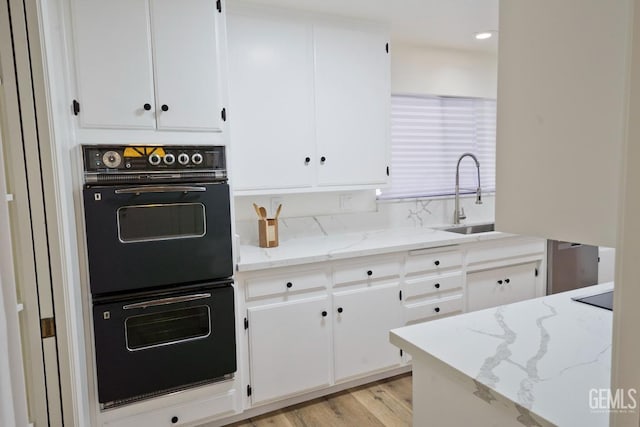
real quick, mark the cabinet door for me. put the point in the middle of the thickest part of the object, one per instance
(186, 65)
(352, 105)
(561, 115)
(113, 63)
(289, 348)
(490, 288)
(363, 319)
(271, 93)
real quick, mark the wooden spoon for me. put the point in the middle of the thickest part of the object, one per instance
(257, 211)
(278, 210)
(263, 212)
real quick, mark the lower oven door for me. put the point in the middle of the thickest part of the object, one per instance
(155, 344)
(151, 236)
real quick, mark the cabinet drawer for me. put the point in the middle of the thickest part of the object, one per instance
(439, 284)
(372, 269)
(179, 415)
(420, 261)
(433, 308)
(499, 250)
(286, 283)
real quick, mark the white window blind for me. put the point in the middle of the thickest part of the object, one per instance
(428, 135)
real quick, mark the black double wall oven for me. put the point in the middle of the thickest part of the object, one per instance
(158, 231)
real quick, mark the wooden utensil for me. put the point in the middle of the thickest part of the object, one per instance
(263, 212)
(258, 211)
(278, 210)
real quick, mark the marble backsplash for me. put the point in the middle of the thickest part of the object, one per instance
(416, 213)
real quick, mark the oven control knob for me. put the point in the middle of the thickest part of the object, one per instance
(111, 159)
(154, 159)
(197, 158)
(169, 159)
(183, 158)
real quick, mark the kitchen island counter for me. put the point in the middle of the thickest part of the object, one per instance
(539, 362)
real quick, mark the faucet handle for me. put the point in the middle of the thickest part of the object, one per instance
(478, 196)
(461, 214)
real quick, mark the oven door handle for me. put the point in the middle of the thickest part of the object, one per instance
(166, 301)
(160, 189)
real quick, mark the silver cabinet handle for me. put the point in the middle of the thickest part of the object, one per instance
(166, 301)
(161, 189)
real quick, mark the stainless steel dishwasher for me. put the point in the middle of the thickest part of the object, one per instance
(570, 266)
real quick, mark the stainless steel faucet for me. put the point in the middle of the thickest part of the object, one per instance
(458, 214)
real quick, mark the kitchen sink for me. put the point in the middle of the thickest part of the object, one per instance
(471, 229)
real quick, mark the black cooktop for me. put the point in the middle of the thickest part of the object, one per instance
(604, 300)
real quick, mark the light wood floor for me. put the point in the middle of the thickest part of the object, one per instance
(385, 403)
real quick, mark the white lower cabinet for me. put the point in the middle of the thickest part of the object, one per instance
(362, 320)
(289, 347)
(181, 415)
(499, 286)
(314, 326)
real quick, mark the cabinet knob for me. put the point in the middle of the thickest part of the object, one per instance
(307, 160)
(437, 309)
(339, 309)
(324, 314)
(437, 285)
(289, 285)
(323, 159)
(369, 273)
(437, 262)
(506, 280)
(147, 107)
(499, 282)
(164, 107)
(174, 420)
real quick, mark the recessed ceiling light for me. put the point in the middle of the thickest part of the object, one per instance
(483, 35)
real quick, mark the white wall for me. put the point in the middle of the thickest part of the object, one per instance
(437, 71)
(625, 369)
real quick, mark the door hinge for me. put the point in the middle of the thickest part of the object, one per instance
(387, 170)
(219, 5)
(386, 47)
(223, 114)
(536, 272)
(400, 295)
(598, 259)
(47, 327)
(249, 390)
(75, 106)
(246, 323)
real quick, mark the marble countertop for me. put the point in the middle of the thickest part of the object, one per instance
(337, 246)
(544, 354)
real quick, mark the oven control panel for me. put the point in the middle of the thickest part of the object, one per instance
(152, 162)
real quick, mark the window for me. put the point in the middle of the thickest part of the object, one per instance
(428, 135)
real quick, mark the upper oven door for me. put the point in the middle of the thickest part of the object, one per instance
(147, 236)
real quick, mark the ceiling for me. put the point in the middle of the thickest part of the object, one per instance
(446, 23)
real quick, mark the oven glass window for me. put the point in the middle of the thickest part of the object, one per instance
(161, 222)
(167, 327)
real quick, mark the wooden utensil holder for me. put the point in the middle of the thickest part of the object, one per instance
(268, 232)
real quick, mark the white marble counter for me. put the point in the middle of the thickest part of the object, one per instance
(544, 355)
(346, 245)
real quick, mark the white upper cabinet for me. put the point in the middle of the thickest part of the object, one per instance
(309, 102)
(147, 64)
(352, 87)
(271, 96)
(186, 64)
(113, 63)
(561, 115)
